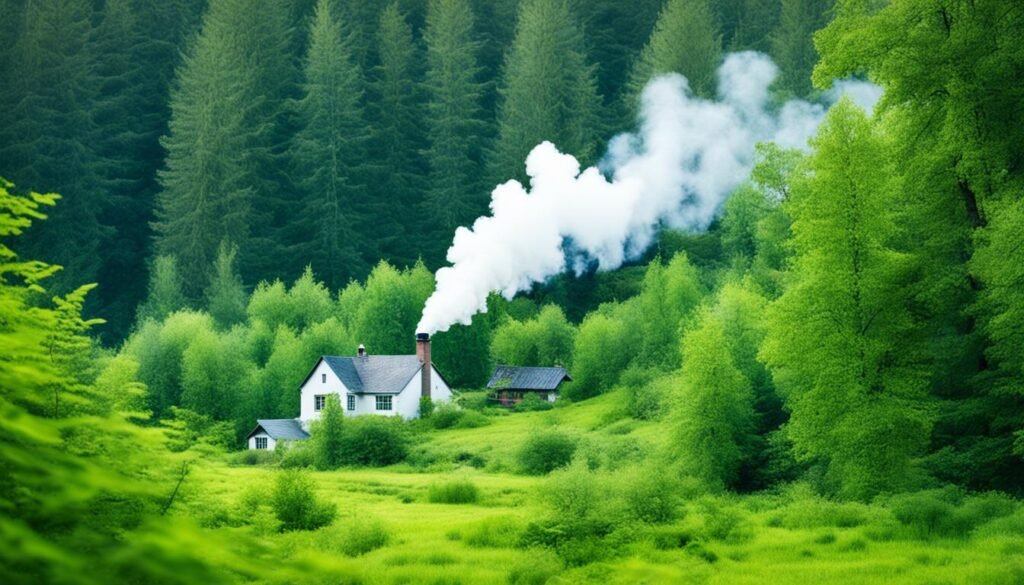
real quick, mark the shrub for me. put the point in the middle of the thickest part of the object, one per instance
(426, 407)
(495, 532)
(298, 455)
(574, 492)
(296, 505)
(471, 459)
(374, 441)
(446, 416)
(651, 496)
(364, 536)
(471, 420)
(253, 457)
(474, 400)
(546, 451)
(924, 514)
(459, 491)
(540, 566)
(532, 403)
(584, 550)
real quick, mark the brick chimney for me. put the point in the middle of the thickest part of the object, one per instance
(423, 354)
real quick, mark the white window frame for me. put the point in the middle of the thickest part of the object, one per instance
(385, 399)
(261, 442)
(319, 402)
(351, 402)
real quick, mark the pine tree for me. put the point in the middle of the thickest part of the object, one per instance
(792, 42)
(221, 149)
(327, 434)
(844, 344)
(549, 91)
(165, 291)
(47, 140)
(455, 127)
(226, 299)
(397, 141)
(686, 41)
(329, 154)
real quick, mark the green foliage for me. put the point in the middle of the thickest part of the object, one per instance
(328, 434)
(545, 451)
(792, 44)
(532, 402)
(458, 491)
(165, 286)
(685, 40)
(296, 505)
(713, 414)
(549, 90)
(604, 346)
(667, 298)
(362, 536)
(426, 407)
(226, 299)
(374, 441)
(330, 155)
(545, 340)
(390, 307)
(854, 382)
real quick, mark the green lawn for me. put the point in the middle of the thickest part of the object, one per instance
(791, 537)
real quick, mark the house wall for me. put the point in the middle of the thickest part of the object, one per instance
(314, 387)
(271, 443)
(407, 403)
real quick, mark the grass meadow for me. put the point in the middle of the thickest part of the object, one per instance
(459, 511)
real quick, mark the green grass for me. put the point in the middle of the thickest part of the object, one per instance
(399, 524)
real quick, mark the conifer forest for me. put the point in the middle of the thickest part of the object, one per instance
(511, 291)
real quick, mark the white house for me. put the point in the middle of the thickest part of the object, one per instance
(365, 384)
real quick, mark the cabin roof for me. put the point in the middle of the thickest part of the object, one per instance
(280, 428)
(527, 378)
(374, 374)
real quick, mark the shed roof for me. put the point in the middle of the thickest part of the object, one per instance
(281, 428)
(375, 374)
(527, 378)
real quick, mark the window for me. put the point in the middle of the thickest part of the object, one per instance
(384, 403)
(323, 378)
(261, 442)
(319, 401)
(351, 402)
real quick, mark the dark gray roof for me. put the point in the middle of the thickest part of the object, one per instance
(527, 378)
(375, 374)
(281, 428)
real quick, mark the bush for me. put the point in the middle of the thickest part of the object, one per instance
(446, 416)
(296, 505)
(651, 496)
(471, 420)
(298, 455)
(253, 457)
(459, 491)
(474, 400)
(374, 441)
(540, 566)
(426, 407)
(574, 492)
(532, 403)
(546, 451)
(362, 537)
(931, 514)
(495, 532)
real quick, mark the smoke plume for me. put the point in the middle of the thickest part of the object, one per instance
(688, 155)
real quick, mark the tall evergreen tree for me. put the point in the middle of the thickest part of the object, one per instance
(47, 140)
(549, 91)
(397, 141)
(226, 299)
(165, 291)
(792, 42)
(685, 40)
(329, 154)
(844, 343)
(455, 126)
(223, 141)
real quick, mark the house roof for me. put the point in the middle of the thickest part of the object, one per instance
(281, 428)
(375, 374)
(527, 378)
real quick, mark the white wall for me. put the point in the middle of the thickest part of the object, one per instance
(271, 443)
(314, 387)
(407, 403)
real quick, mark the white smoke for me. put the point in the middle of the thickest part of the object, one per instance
(687, 157)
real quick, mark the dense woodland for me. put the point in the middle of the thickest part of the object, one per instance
(253, 184)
